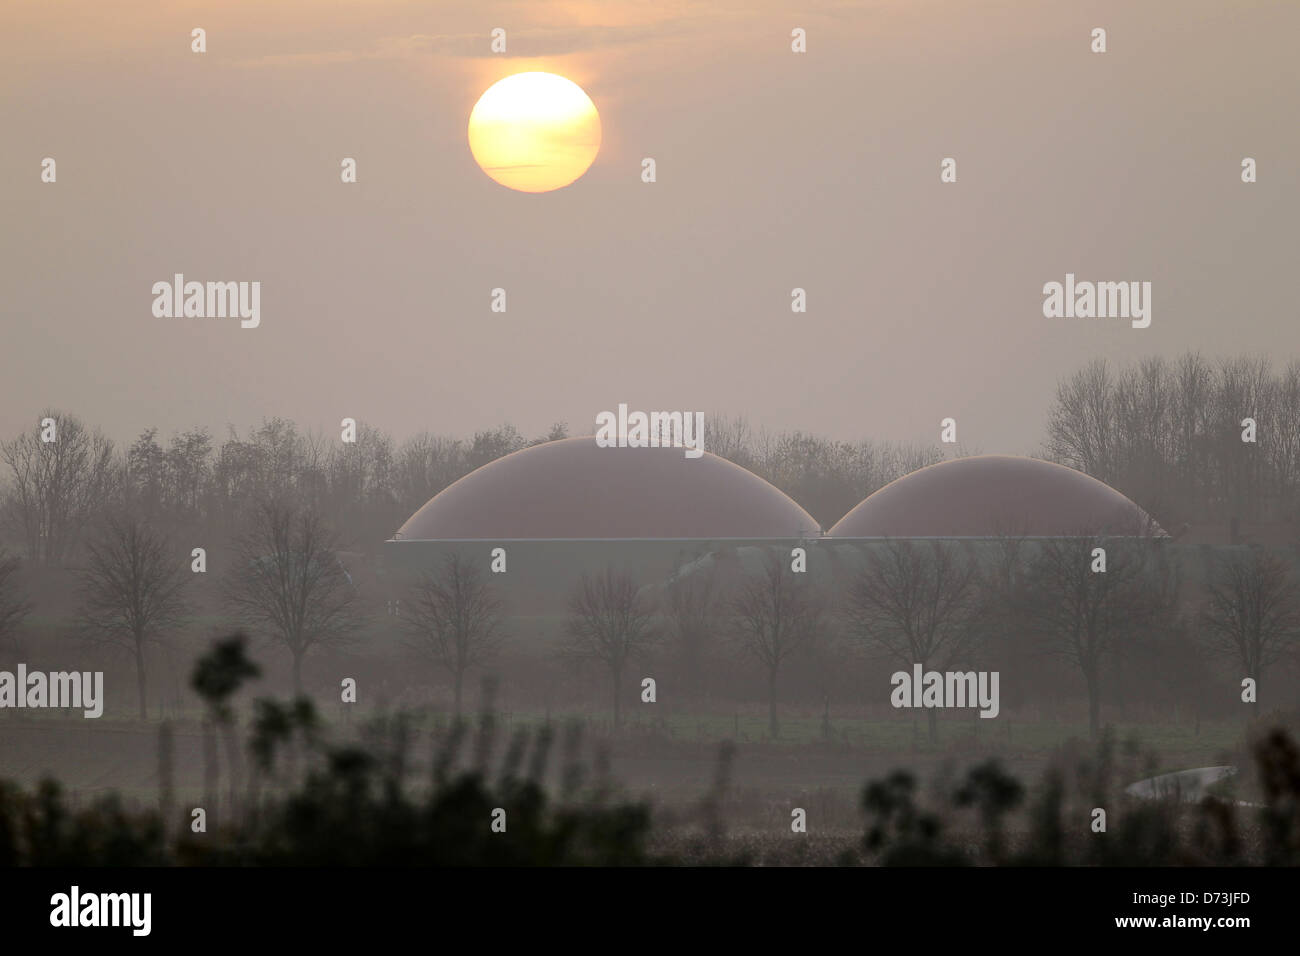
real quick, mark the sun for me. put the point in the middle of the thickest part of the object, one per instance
(534, 132)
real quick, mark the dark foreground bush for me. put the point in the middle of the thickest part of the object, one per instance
(309, 802)
(1062, 824)
(356, 806)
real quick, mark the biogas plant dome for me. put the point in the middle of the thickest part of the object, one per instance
(575, 489)
(988, 496)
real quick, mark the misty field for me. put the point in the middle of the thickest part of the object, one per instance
(669, 759)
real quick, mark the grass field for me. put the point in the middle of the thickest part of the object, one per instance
(672, 758)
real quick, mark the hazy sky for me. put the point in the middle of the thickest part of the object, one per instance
(775, 170)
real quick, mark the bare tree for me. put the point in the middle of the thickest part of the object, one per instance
(1168, 434)
(1080, 426)
(13, 607)
(775, 614)
(611, 623)
(827, 477)
(456, 618)
(1252, 609)
(1083, 612)
(361, 498)
(57, 483)
(189, 472)
(288, 583)
(916, 601)
(425, 464)
(688, 606)
(132, 590)
(730, 438)
(276, 462)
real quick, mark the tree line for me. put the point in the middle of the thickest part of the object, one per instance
(199, 489)
(1169, 434)
(1087, 600)
(282, 503)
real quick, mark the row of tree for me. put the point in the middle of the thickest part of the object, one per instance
(197, 489)
(282, 502)
(1169, 434)
(62, 475)
(944, 605)
(935, 603)
(285, 582)
(1166, 433)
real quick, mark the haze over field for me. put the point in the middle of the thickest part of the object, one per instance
(775, 171)
(943, 501)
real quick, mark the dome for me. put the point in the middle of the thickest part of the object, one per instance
(575, 489)
(990, 495)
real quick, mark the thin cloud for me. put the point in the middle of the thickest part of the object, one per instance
(526, 42)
